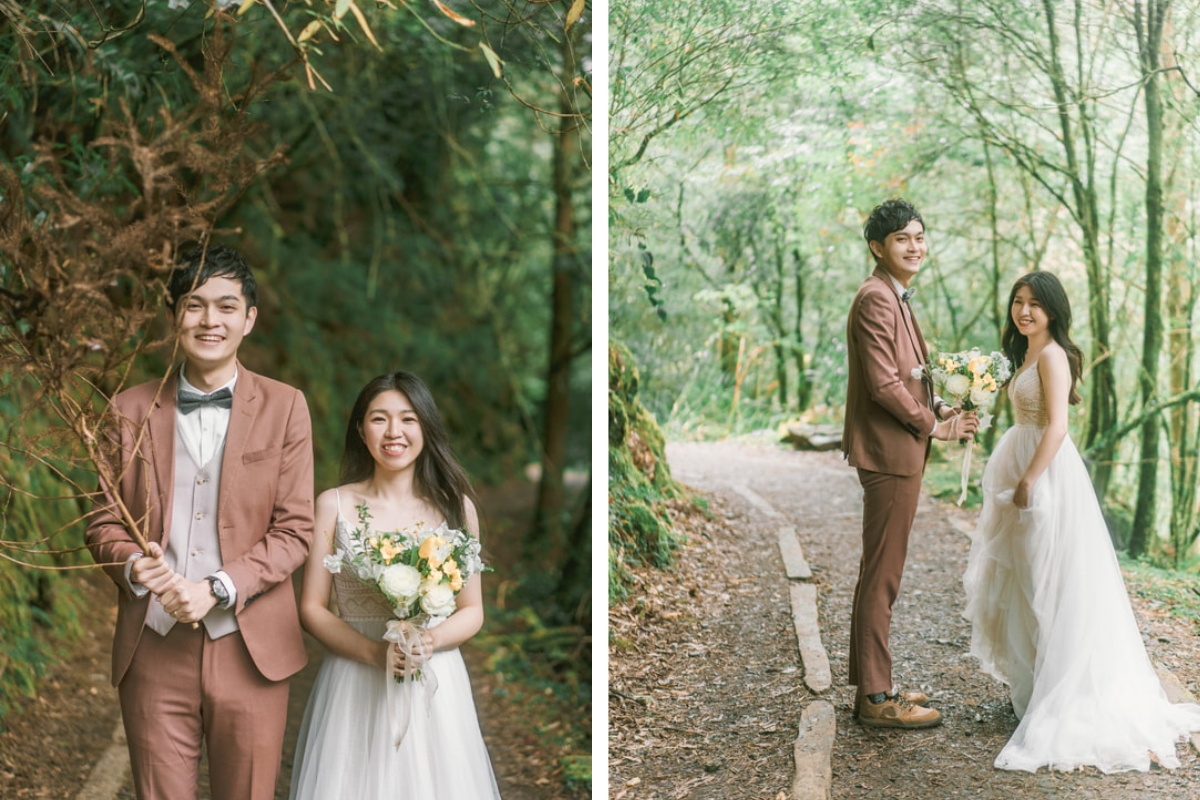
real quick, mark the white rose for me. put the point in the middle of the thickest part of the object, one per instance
(400, 580)
(958, 385)
(980, 397)
(333, 563)
(437, 600)
(917, 373)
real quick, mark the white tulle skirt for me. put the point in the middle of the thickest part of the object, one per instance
(345, 748)
(1051, 618)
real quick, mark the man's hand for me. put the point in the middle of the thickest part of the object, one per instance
(959, 426)
(151, 571)
(188, 601)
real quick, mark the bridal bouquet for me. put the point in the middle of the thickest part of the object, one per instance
(970, 380)
(418, 570)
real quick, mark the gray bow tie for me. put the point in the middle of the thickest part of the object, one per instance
(907, 294)
(190, 401)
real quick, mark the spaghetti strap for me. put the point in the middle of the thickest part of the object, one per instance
(337, 493)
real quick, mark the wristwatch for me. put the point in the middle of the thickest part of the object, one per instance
(218, 590)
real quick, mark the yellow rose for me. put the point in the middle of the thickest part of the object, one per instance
(435, 550)
(449, 566)
(456, 582)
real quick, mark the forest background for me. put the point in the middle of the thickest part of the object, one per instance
(748, 142)
(412, 185)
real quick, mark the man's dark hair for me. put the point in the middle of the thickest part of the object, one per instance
(888, 217)
(218, 261)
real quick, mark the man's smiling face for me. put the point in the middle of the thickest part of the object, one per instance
(212, 320)
(902, 252)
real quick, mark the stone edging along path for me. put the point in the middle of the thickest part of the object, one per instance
(813, 749)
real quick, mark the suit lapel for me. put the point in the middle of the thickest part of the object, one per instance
(920, 338)
(915, 337)
(909, 319)
(162, 447)
(246, 403)
(926, 381)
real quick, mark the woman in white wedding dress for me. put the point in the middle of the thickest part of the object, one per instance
(397, 462)
(1050, 614)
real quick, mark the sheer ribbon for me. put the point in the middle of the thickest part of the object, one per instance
(966, 469)
(403, 686)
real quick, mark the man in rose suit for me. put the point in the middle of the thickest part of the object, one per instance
(891, 416)
(217, 466)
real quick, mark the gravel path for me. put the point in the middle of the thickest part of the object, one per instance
(819, 495)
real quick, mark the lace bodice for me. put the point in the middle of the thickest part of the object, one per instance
(358, 604)
(1028, 399)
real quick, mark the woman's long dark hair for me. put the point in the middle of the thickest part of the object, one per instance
(439, 478)
(1053, 298)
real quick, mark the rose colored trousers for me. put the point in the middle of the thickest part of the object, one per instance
(889, 505)
(185, 688)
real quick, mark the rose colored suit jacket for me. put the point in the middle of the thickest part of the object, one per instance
(265, 511)
(888, 414)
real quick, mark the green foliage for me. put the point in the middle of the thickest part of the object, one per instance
(619, 577)
(33, 601)
(544, 671)
(1176, 592)
(943, 474)
(577, 772)
(640, 482)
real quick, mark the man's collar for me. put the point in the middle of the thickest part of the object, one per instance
(186, 385)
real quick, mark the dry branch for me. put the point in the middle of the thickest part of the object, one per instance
(83, 269)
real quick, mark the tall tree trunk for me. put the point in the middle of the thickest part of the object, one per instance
(729, 343)
(548, 522)
(1102, 403)
(1149, 27)
(999, 312)
(781, 359)
(1181, 346)
(803, 387)
(574, 590)
(1183, 431)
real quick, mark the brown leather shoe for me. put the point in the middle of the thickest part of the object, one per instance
(897, 712)
(916, 698)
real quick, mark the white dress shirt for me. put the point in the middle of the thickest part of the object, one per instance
(204, 429)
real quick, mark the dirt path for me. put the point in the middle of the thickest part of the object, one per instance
(819, 495)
